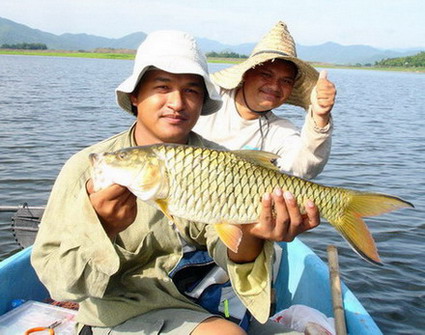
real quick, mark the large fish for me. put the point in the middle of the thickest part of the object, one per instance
(225, 187)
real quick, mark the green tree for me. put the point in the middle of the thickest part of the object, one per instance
(417, 60)
(225, 54)
(25, 46)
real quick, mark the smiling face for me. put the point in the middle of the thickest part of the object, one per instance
(269, 85)
(168, 106)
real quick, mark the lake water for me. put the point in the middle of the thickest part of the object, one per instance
(52, 107)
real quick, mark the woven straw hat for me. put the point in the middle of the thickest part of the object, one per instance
(174, 52)
(276, 44)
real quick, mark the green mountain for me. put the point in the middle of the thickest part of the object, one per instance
(351, 54)
(417, 60)
(14, 33)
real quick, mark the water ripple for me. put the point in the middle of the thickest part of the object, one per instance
(67, 104)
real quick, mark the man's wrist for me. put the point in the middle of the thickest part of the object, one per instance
(320, 121)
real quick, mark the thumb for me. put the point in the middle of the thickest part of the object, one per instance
(323, 74)
(89, 186)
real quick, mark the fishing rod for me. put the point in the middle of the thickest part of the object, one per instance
(9, 209)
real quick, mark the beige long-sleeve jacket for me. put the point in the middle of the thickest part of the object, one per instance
(115, 281)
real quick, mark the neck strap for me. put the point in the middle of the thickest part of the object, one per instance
(247, 106)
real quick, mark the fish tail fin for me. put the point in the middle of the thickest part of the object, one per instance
(353, 228)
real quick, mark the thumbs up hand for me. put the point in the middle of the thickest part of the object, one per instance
(322, 99)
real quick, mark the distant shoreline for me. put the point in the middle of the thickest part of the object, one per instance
(130, 56)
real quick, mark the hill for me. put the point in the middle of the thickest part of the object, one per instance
(13, 33)
(353, 54)
(417, 60)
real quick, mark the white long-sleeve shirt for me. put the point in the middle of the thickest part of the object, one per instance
(303, 153)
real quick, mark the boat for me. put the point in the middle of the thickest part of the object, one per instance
(302, 279)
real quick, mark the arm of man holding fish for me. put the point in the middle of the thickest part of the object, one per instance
(103, 240)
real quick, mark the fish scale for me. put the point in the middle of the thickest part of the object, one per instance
(225, 187)
(232, 184)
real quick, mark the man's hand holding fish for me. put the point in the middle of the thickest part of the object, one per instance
(115, 206)
(280, 220)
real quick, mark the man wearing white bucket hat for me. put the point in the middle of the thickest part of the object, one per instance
(271, 76)
(121, 259)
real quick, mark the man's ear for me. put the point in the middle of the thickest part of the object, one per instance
(133, 99)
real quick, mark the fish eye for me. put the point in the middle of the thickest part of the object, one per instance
(122, 155)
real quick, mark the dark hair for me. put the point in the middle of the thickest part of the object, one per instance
(133, 110)
(285, 61)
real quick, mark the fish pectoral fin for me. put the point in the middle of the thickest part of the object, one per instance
(230, 235)
(163, 206)
(263, 158)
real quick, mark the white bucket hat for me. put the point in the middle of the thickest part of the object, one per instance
(276, 44)
(171, 51)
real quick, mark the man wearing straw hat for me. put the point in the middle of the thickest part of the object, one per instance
(123, 261)
(271, 76)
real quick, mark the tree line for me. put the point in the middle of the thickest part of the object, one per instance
(225, 54)
(25, 46)
(417, 60)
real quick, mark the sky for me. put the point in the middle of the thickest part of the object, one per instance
(386, 24)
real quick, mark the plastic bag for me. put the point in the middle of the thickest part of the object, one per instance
(303, 318)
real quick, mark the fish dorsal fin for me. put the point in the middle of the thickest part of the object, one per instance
(259, 157)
